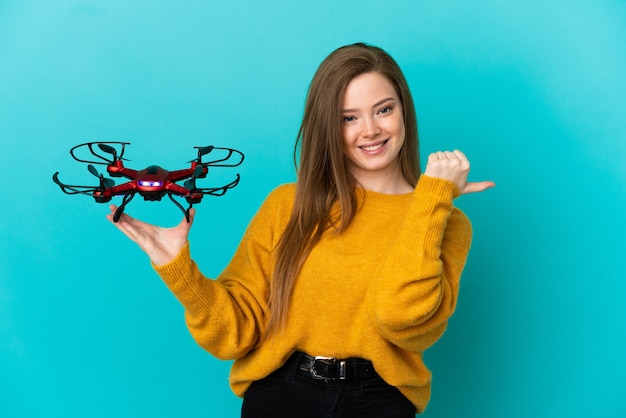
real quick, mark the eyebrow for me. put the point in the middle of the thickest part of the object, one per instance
(378, 103)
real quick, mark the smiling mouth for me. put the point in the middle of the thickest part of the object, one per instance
(375, 147)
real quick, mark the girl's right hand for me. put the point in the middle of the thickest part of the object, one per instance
(162, 245)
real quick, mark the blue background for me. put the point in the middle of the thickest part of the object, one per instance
(533, 91)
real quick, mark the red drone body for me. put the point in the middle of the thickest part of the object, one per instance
(153, 182)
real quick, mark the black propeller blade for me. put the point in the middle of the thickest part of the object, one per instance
(104, 182)
(202, 151)
(191, 183)
(93, 170)
(205, 150)
(109, 150)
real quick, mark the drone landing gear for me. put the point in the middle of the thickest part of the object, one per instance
(185, 211)
(127, 198)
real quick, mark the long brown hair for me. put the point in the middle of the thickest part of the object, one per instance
(324, 179)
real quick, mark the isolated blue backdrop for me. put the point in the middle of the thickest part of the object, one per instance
(533, 92)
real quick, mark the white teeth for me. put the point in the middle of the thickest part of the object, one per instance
(373, 147)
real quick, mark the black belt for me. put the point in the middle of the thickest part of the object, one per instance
(330, 368)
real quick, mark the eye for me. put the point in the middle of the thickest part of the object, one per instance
(348, 119)
(386, 109)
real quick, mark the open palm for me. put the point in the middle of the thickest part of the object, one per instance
(162, 245)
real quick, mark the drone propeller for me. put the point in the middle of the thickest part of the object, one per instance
(104, 182)
(202, 151)
(109, 150)
(191, 183)
(93, 170)
(205, 150)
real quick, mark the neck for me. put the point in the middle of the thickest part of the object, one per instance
(384, 183)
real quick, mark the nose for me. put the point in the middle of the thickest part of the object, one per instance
(370, 128)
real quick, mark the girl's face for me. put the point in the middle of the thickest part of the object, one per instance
(373, 130)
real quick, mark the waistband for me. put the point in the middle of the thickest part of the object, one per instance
(331, 368)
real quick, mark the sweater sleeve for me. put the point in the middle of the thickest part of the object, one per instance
(415, 289)
(227, 316)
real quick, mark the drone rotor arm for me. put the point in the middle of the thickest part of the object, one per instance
(177, 189)
(179, 175)
(123, 189)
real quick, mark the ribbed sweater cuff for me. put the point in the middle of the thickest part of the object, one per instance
(183, 278)
(438, 186)
(177, 266)
(429, 213)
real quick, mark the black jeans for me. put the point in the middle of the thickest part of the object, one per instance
(292, 393)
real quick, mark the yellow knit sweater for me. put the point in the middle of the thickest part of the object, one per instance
(382, 290)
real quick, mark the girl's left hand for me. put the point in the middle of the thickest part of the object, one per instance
(454, 166)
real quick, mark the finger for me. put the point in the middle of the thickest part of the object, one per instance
(450, 155)
(122, 219)
(465, 164)
(456, 160)
(113, 209)
(126, 226)
(460, 155)
(111, 216)
(185, 226)
(477, 186)
(129, 226)
(441, 155)
(433, 157)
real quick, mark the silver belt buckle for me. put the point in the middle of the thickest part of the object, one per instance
(328, 360)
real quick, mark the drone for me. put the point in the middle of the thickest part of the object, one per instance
(153, 182)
